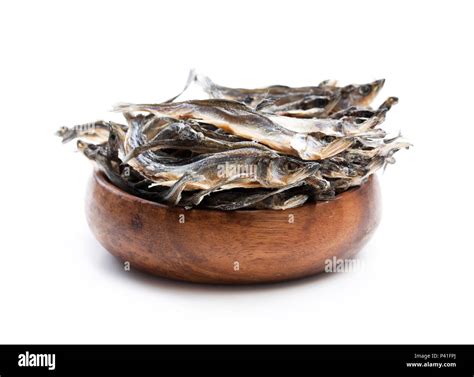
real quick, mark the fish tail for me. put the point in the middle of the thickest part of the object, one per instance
(372, 122)
(293, 202)
(191, 78)
(385, 107)
(130, 155)
(336, 147)
(173, 196)
(197, 198)
(208, 85)
(379, 115)
(332, 104)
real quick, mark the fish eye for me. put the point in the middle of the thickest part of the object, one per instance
(290, 166)
(248, 100)
(365, 89)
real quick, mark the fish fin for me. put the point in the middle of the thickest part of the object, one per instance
(293, 202)
(191, 78)
(331, 83)
(206, 84)
(131, 155)
(331, 105)
(264, 103)
(309, 147)
(371, 123)
(335, 147)
(343, 113)
(173, 195)
(198, 197)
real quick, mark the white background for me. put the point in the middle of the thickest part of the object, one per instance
(66, 63)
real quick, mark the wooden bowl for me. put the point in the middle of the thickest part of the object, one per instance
(237, 247)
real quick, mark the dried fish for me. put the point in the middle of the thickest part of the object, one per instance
(302, 101)
(239, 119)
(364, 112)
(268, 148)
(246, 167)
(260, 199)
(253, 97)
(95, 132)
(187, 136)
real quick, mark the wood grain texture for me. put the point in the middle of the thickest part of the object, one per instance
(265, 245)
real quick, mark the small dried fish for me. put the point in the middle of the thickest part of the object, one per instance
(364, 112)
(126, 178)
(297, 101)
(96, 132)
(253, 97)
(187, 136)
(268, 148)
(259, 199)
(344, 183)
(247, 167)
(239, 119)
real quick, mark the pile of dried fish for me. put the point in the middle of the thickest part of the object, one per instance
(276, 147)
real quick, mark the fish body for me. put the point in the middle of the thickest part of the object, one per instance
(95, 132)
(267, 148)
(249, 167)
(282, 94)
(187, 136)
(297, 101)
(257, 199)
(238, 119)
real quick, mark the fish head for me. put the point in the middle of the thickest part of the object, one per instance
(360, 95)
(286, 170)
(81, 146)
(116, 134)
(89, 150)
(94, 152)
(181, 131)
(67, 134)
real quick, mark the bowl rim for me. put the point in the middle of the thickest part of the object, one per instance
(100, 178)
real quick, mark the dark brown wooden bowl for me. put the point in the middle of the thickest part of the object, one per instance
(238, 247)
